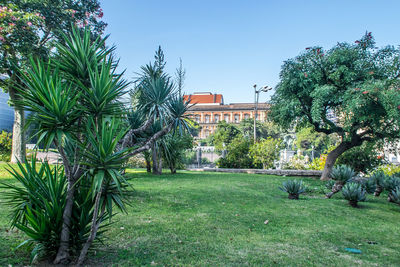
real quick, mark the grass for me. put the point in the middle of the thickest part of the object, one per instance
(218, 219)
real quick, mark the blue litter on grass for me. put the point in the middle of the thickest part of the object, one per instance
(353, 250)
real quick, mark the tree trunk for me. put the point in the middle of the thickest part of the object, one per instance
(18, 136)
(332, 156)
(63, 251)
(378, 191)
(148, 165)
(335, 188)
(93, 229)
(157, 170)
(172, 168)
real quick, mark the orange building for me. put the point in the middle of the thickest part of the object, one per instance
(209, 109)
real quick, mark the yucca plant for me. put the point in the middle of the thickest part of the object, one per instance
(379, 178)
(37, 202)
(341, 175)
(354, 193)
(391, 183)
(294, 188)
(76, 102)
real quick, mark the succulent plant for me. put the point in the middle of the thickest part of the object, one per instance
(294, 188)
(354, 193)
(395, 194)
(379, 178)
(330, 184)
(341, 175)
(391, 184)
(368, 184)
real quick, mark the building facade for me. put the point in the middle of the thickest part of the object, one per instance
(6, 113)
(209, 109)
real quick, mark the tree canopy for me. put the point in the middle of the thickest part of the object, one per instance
(351, 90)
(31, 29)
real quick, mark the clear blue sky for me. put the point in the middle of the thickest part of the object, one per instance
(227, 46)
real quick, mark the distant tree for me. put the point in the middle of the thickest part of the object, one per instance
(173, 147)
(351, 90)
(307, 138)
(264, 129)
(224, 135)
(30, 29)
(238, 154)
(265, 152)
(180, 76)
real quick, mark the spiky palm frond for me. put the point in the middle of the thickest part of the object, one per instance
(52, 100)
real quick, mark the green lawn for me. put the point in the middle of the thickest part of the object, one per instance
(217, 219)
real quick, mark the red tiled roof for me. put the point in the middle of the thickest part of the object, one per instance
(204, 98)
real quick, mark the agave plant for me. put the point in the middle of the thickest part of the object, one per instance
(379, 178)
(294, 188)
(368, 184)
(354, 193)
(341, 175)
(395, 195)
(391, 184)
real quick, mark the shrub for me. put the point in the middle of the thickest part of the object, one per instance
(353, 192)
(238, 155)
(391, 184)
(390, 169)
(341, 175)
(5, 146)
(265, 152)
(294, 188)
(297, 162)
(136, 161)
(363, 158)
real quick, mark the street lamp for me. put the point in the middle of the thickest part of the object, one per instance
(256, 95)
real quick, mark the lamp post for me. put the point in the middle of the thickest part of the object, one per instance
(256, 96)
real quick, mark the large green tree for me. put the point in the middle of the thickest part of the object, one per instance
(30, 29)
(351, 90)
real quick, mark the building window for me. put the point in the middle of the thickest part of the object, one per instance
(246, 116)
(236, 118)
(197, 118)
(216, 118)
(226, 117)
(207, 118)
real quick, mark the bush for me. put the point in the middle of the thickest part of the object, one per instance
(294, 188)
(341, 175)
(136, 161)
(390, 169)
(238, 155)
(297, 162)
(353, 192)
(5, 146)
(363, 158)
(265, 152)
